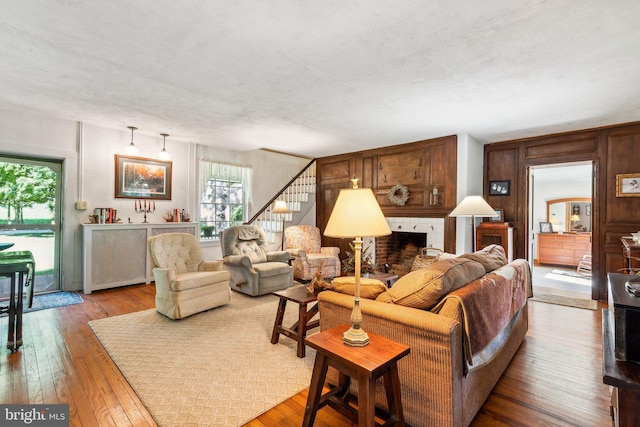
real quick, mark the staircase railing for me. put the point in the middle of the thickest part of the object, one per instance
(282, 191)
(295, 194)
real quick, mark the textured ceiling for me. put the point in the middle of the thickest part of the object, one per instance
(324, 77)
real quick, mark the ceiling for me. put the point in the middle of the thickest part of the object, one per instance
(316, 78)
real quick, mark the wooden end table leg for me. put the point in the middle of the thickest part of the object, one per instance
(315, 389)
(302, 329)
(277, 326)
(394, 394)
(366, 401)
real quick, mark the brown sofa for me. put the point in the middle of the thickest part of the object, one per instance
(449, 373)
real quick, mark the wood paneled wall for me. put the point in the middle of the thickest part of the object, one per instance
(613, 150)
(419, 165)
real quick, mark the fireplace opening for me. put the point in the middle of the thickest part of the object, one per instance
(395, 253)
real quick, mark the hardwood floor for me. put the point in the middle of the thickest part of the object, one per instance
(555, 378)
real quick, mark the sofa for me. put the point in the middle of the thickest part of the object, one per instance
(463, 318)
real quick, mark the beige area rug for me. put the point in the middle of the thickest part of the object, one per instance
(568, 301)
(216, 368)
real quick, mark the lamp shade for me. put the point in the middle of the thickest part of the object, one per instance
(473, 206)
(280, 207)
(357, 214)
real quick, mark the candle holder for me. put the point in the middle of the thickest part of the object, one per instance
(144, 208)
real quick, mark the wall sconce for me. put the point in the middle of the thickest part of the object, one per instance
(131, 148)
(164, 154)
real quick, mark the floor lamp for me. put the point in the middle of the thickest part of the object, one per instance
(473, 206)
(356, 214)
(282, 209)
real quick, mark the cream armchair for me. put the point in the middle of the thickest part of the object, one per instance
(304, 244)
(254, 270)
(185, 283)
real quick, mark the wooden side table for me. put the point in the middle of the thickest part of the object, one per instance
(388, 278)
(365, 365)
(298, 331)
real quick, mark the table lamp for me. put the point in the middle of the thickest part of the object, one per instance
(281, 208)
(356, 214)
(473, 206)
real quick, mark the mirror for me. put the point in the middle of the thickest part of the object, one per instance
(572, 214)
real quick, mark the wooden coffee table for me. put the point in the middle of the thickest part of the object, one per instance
(298, 331)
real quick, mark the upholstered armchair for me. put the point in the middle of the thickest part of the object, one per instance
(254, 270)
(304, 244)
(185, 283)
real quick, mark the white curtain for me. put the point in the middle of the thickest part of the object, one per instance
(216, 170)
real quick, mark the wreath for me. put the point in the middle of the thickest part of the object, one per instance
(399, 194)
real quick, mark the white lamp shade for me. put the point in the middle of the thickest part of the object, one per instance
(473, 206)
(280, 207)
(357, 214)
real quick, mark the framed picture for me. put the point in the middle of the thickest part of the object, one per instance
(628, 185)
(587, 209)
(499, 217)
(545, 227)
(142, 178)
(499, 188)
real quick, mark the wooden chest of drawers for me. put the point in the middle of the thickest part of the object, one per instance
(563, 249)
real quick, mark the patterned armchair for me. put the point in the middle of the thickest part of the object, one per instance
(185, 283)
(303, 242)
(254, 270)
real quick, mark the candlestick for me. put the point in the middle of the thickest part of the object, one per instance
(144, 209)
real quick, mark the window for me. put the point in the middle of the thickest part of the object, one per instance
(224, 197)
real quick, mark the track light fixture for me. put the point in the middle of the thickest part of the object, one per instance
(131, 148)
(164, 154)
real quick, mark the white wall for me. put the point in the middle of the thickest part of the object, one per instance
(470, 176)
(88, 154)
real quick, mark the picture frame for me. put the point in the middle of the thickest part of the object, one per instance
(499, 217)
(546, 227)
(628, 185)
(587, 209)
(142, 178)
(500, 188)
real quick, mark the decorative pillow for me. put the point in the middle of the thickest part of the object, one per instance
(425, 287)
(369, 288)
(492, 257)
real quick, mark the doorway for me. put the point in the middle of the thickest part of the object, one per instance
(30, 216)
(560, 227)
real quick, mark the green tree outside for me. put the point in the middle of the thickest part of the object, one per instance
(25, 186)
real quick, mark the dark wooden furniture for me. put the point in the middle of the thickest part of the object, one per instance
(631, 251)
(563, 249)
(619, 347)
(364, 364)
(298, 331)
(388, 278)
(623, 377)
(19, 267)
(495, 233)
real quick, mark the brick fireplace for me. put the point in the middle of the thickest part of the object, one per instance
(396, 253)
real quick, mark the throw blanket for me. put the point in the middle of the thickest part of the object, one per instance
(248, 232)
(489, 303)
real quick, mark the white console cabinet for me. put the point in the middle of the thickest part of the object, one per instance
(116, 254)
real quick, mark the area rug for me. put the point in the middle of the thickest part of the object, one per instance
(216, 368)
(52, 300)
(568, 301)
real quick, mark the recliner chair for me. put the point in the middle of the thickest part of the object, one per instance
(305, 245)
(185, 283)
(254, 270)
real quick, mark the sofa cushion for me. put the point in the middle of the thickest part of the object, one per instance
(369, 288)
(492, 257)
(425, 287)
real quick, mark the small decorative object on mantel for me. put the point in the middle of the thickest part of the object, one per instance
(399, 194)
(145, 207)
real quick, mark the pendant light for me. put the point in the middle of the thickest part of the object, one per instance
(131, 148)
(164, 154)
